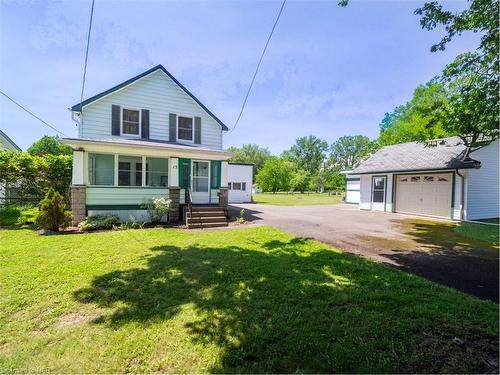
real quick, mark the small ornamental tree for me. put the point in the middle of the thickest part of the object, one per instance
(52, 213)
(157, 208)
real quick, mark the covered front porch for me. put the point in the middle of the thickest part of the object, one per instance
(117, 177)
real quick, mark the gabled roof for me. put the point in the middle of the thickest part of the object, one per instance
(9, 141)
(442, 154)
(78, 107)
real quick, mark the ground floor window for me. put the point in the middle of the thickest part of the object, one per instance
(101, 169)
(156, 172)
(237, 186)
(129, 171)
(378, 189)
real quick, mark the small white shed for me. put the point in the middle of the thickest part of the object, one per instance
(239, 177)
(352, 187)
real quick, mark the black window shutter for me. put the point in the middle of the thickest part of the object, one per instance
(172, 128)
(197, 130)
(115, 120)
(145, 123)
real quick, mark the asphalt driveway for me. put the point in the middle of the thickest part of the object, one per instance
(428, 248)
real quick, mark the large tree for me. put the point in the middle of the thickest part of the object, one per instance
(348, 151)
(308, 153)
(418, 120)
(472, 79)
(275, 175)
(250, 153)
(49, 145)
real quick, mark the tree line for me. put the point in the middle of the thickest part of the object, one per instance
(310, 164)
(461, 101)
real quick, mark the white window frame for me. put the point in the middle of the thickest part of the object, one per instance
(177, 130)
(140, 122)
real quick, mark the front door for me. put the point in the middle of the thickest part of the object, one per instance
(378, 193)
(200, 181)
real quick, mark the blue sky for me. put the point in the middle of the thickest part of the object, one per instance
(329, 71)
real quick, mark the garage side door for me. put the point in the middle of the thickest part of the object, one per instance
(424, 194)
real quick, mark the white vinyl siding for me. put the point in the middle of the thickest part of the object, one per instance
(122, 195)
(352, 193)
(239, 176)
(161, 96)
(457, 200)
(482, 184)
(365, 199)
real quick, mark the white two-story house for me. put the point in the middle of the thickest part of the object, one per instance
(147, 137)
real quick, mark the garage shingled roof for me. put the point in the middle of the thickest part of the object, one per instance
(442, 154)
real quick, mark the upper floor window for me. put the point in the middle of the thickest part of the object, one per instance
(131, 122)
(185, 129)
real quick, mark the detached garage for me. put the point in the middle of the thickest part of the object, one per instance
(432, 179)
(239, 177)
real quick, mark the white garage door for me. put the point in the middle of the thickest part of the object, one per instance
(424, 194)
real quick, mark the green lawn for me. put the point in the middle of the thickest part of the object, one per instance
(483, 232)
(297, 199)
(243, 300)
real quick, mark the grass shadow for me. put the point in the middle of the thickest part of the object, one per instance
(274, 307)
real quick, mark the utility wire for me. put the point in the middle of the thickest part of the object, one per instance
(258, 66)
(86, 57)
(31, 113)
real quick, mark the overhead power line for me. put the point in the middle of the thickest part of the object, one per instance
(32, 114)
(258, 66)
(86, 55)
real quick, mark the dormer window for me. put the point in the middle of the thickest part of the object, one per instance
(185, 129)
(131, 122)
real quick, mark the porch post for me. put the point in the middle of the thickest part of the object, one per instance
(78, 188)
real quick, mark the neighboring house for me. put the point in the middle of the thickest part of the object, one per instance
(239, 176)
(6, 144)
(145, 138)
(352, 187)
(432, 179)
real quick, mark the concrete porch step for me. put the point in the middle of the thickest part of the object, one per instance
(211, 219)
(206, 214)
(206, 217)
(207, 225)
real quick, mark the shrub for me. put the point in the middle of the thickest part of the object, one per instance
(241, 218)
(157, 208)
(13, 214)
(52, 214)
(99, 222)
(132, 223)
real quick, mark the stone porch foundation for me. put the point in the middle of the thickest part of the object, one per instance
(175, 197)
(78, 199)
